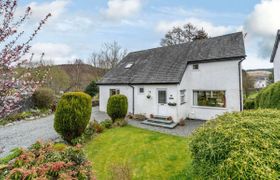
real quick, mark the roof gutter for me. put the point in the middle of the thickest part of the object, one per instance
(133, 97)
(240, 84)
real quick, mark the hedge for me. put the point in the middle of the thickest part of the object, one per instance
(269, 97)
(72, 115)
(250, 102)
(238, 146)
(117, 107)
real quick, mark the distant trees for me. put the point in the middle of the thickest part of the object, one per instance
(14, 88)
(179, 35)
(108, 57)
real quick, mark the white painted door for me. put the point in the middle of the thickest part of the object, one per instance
(162, 102)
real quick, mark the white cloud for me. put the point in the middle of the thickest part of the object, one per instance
(262, 25)
(120, 9)
(56, 52)
(253, 61)
(40, 10)
(211, 29)
(264, 20)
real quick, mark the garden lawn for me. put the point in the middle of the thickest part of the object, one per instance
(148, 154)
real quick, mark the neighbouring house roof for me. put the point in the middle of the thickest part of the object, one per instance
(166, 65)
(275, 46)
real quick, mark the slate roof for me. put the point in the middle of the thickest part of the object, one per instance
(166, 65)
(276, 44)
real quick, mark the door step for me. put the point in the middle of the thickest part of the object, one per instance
(160, 121)
(158, 124)
(160, 117)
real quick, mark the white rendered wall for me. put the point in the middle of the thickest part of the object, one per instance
(210, 76)
(104, 94)
(276, 64)
(142, 105)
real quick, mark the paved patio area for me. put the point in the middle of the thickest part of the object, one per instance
(188, 129)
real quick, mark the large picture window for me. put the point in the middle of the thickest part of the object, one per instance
(209, 98)
(114, 92)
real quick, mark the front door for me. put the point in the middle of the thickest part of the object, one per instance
(162, 102)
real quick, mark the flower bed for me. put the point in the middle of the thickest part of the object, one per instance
(48, 161)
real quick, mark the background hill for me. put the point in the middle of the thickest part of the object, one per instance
(80, 75)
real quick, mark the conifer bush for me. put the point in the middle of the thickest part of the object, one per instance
(269, 97)
(72, 115)
(117, 107)
(238, 146)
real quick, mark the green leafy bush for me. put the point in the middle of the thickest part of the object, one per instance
(269, 97)
(120, 122)
(117, 107)
(238, 146)
(72, 115)
(97, 127)
(107, 123)
(14, 153)
(43, 98)
(250, 101)
(92, 89)
(49, 161)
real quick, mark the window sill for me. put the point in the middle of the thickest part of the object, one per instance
(209, 107)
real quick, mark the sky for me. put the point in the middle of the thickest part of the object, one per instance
(79, 28)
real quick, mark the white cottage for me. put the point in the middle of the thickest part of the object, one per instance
(196, 80)
(275, 58)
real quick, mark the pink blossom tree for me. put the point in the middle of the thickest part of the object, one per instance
(14, 88)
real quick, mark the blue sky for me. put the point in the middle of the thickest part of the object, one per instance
(78, 28)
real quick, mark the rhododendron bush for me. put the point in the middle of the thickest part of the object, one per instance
(49, 161)
(14, 88)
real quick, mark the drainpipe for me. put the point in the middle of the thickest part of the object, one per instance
(240, 84)
(132, 97)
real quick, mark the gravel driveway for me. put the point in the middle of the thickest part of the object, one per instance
(25, 133)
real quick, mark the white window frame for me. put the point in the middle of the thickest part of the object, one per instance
(182, 96)
(140, 91)
(194, 66)
(211, 107)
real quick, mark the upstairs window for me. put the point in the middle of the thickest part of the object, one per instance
(195, 66)
(141, 90)
(114, 92)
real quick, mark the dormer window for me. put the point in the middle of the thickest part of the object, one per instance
(128, 65)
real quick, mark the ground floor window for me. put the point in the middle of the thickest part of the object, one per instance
(209, 98)
(114, 92)
(182, 96)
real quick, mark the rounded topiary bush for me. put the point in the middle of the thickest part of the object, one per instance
(117, 107)
(43, 98)
(238, 146)
(72, 115)
(269, 97)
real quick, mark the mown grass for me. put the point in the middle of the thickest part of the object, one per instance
(148, 155)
